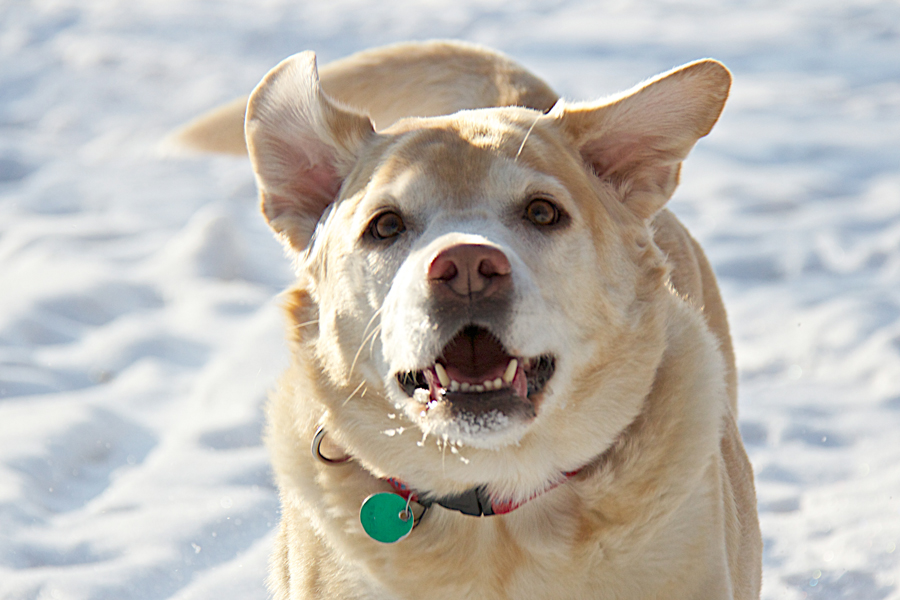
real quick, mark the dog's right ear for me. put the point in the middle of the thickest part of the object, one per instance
(638, 139)
(302, 146)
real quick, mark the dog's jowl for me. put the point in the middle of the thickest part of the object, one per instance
(511, 371)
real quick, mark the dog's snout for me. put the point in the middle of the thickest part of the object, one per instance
(469, 270)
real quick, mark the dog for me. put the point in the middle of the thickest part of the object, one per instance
(512, 375)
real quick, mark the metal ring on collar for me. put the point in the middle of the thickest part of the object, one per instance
(317, 449)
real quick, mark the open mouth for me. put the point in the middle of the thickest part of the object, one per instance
(475, 374)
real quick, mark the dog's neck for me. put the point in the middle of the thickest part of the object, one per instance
(476, 501)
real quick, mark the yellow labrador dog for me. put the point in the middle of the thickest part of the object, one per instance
(512, 375)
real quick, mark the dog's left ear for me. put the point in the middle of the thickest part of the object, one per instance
(638, 139)
(302, 146)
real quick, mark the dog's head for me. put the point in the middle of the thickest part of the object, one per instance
(487, 278)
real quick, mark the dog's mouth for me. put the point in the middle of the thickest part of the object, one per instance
(475, 376)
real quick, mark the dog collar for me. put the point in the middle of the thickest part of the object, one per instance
(476, 502)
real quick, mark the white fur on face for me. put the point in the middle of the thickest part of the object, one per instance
(387, 286)
(573, 299)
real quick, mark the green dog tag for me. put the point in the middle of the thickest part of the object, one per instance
(386, 517)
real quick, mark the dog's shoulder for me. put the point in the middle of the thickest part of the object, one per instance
(692, 278)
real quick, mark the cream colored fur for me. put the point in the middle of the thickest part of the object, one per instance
(643, 397)
(393, 82)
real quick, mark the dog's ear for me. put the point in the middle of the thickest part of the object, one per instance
(638, 139)
(302, 146)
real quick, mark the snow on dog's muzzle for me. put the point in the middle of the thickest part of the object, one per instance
(473, 389)
(475, 379)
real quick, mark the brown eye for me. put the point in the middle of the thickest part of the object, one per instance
(542, 212)
(386, 225)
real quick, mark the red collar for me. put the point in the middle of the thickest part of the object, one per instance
(476, 501)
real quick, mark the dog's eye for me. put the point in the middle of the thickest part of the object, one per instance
(386, 225)
(541, 211)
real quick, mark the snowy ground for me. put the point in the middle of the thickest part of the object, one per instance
(139, 324)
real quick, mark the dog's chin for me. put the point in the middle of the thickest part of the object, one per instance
(476, 393)
(487, 420)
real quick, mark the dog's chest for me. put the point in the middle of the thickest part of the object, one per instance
(533, 554)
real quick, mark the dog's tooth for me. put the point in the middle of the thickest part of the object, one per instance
(510, 372)
(464, 387)
(488, 385)
(442, 375)
(498, 383)
(454, 385)
(477, 388)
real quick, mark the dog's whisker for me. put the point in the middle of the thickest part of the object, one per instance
(306, 324)
(366, 338)
(353, 393)
(525, 139)
(360, 349)
(375, 315)
(372, 340)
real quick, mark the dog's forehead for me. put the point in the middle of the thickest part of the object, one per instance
(487, 128)
(459, 157)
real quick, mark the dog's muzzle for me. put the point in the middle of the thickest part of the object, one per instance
(475, 378)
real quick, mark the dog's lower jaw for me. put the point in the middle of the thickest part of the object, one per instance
(458, 425)
(481, 416)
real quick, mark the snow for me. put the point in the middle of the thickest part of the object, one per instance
(139, 320)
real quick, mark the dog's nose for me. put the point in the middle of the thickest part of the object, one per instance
(470, 270)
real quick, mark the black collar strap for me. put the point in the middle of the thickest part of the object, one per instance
(475, 501)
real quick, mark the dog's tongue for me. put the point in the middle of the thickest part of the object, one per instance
(474, 355)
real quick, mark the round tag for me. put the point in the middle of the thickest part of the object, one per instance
(386, 517)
